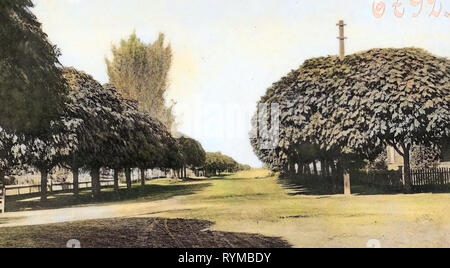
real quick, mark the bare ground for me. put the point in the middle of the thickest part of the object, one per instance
(133, 233)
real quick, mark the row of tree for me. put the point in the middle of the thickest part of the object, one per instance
(218, 163)
(53, 116)
(97, 129)
(340, 112)
(100, 129)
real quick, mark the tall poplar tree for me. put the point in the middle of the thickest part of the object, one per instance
(140, 72)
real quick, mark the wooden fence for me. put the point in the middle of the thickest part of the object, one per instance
(52, 188)
(422, 179)
(389, 180)
(431, 179)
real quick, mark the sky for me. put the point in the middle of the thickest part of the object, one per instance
(228, 52)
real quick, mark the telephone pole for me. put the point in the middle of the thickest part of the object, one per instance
(341, 38)
(341, 24)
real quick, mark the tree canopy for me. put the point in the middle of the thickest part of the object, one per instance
(193, 153)
(219, 163)
(114, 133)
(31, 85)
(396, 97)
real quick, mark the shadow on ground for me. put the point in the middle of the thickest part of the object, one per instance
(140, 193)
(298, 187)
(133, 233)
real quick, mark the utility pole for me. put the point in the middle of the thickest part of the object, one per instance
(341, 38)
(341, 24)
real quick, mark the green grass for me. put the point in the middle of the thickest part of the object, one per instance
(256, 203)
(158, 190)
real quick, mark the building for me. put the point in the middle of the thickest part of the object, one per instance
(445, 161)
(395, 160)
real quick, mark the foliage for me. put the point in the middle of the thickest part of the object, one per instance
(219, 163)
(12, 150)
(48, 150)
(101, 115)
(149, 143)
(425, 157)
(396, 97)
(379, 163)
(140, 72)
(244, 167)
(31, 86)
(193, 153)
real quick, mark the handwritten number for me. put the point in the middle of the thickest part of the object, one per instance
(398, 11)
(416, 3)
(378, 9)
(435, 13)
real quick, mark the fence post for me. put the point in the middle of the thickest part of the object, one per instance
(402, 168)
(347, 185)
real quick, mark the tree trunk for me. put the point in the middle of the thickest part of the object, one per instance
(322, 168)
(128, 177)
(76, 187)
(116, 181)
(142, 177)
(44, 184)
(308, 169)
(335, 175)
(95, 177)
(2, 178)
(3, 185)
(407, 169)
(316, 171)
(334, 169)
(185, 172)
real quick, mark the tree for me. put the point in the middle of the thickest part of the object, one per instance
(148, 143)
(31, 85)
(194, 156)
(217, 163)
(13, 148)
(140, 72)
(100, 134)
(48, 150)
(244, 167)
(370, 100)
(425, 157)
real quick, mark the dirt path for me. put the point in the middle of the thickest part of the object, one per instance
(92, 212)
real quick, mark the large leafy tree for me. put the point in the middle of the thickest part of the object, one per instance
(31, 85)
(147, 141)
(114, 133)
(140, 72)
(382, 97)
(13, 148)
(100, 135)
(216, 163)
(194, 156)
(48, 150)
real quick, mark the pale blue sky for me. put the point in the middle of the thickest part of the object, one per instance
(227, 52)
